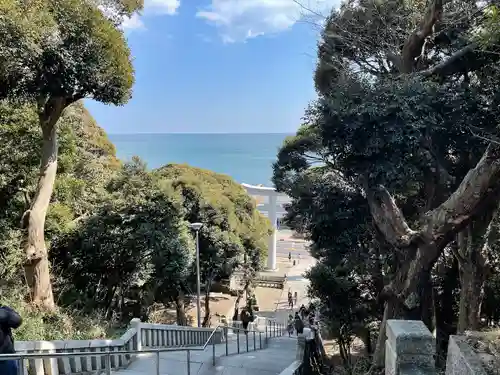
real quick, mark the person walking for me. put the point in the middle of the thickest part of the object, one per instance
(9, 320)
(246, 318)
(302, 311)
(289, 256)
(312, 363)
(295, 297)
(290, 300)
(299, 324)
(290, 325)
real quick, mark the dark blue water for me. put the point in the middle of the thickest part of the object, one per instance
(245, 157)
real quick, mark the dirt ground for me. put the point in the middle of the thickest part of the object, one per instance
(223, 304)
(359, 361)
(220, 305)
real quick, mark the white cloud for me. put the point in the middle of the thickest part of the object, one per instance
(158, 7)
(151, 8)
(238, 20)
(132, 23)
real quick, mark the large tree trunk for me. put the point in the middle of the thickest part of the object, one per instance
(445, 313)
(238, 300)
(237, 306)
(472, 256)
(423, 246)
(206, 319)
(180, 309)
(471, 281)
(36, 255)
(391, 311)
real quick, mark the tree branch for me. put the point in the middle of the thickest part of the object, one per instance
(468, 59)
(389, 218)
(413, 46)
(476, 187)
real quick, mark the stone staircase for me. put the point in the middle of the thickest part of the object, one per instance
(272, 359)
(158, 349)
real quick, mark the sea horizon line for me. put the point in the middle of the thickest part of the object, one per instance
(202, 133)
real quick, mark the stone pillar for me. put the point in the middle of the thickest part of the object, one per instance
(409, 348)
(301, 346)
(273, 217)
(136, 323)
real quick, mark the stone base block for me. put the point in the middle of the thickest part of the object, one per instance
(410, 336)
(395, 363)
(461, 359)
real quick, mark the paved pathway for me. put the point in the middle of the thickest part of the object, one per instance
(271, 360)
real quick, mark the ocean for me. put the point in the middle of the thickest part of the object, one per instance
(248, 158)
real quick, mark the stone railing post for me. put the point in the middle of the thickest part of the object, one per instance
(409, 348)
(301, 346)
(136, 323)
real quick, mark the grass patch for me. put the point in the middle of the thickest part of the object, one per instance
(64, 324)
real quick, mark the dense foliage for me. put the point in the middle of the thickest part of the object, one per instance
(394, 172)
(54, 53)
(119, 235)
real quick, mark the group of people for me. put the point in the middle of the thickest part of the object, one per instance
(305, 322)
(9, 320)
(296, 323)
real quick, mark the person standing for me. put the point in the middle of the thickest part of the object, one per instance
(9, 320)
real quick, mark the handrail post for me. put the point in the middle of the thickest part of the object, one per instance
(20, 366)
(188, 354)
(254, 348)
(227, 342)
(260, 340)
(238, 340)
(213, 352)
(107, 361)
(157, 362)
(246, 338)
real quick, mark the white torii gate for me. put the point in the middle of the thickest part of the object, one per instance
(272, 196)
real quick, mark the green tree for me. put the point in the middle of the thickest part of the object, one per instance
(135, 249)
(402, 92)
(232, 226)
(55, 53)
(87, 161)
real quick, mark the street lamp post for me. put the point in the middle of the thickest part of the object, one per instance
(196, 227)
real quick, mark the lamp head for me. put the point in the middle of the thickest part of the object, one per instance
(196, 226)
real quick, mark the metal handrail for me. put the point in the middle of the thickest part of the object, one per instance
(108, 353)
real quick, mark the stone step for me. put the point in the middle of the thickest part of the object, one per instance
(270, 360)
(415, 370)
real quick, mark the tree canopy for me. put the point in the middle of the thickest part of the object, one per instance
(54, 53)
(394, 172)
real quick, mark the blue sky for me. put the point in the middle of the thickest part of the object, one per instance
(218, 66)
